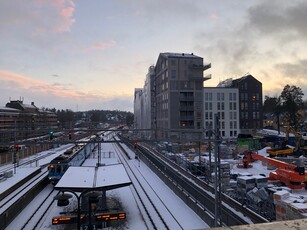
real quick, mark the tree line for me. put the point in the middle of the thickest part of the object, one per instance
(68, 119)
(288, 108)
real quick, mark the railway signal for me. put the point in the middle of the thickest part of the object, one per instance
(135, 144)
(51, 134)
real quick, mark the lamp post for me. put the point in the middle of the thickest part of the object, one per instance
(63, 200)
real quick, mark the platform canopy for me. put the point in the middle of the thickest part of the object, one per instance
(83, 178)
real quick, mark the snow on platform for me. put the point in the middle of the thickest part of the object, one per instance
(104, 177)
(20, 175)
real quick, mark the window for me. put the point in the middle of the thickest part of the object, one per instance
(173, 73)
(230, 105)
(234, 96)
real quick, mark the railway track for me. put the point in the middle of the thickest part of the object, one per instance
(155, 212)
(173, 173)
(40, 206)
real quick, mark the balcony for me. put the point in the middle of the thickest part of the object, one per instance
(186, 108)
(201, 66)
(186, 117)
(195, 78)
(186, 98)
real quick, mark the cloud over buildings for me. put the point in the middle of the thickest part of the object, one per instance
(96, 54)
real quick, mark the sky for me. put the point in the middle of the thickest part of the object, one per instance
(84, 55)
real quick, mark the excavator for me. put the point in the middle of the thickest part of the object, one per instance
(293, 176)
(284, 150)
(300, 144)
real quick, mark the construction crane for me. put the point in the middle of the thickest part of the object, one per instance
(293, 176)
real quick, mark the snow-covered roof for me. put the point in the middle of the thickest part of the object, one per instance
(169, 54)
(104, 177)
(7, 109)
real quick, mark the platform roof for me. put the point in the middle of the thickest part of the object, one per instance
(83, 178)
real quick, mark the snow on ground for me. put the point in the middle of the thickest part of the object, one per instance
(134, 217)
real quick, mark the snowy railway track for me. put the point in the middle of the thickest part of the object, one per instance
(155, 212)
(39, 209)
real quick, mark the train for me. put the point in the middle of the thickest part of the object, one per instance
(74, 156)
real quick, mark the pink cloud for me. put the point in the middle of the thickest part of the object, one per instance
(23, 83)
(214, 16)
(56, 14)
(100, 46)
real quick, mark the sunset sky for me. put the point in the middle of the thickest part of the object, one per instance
(83, 55)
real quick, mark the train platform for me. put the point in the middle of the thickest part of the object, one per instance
(17, 179)
(105, 177)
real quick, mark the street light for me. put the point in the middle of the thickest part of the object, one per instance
(63, 200)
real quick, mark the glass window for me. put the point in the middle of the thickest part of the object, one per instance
(173, 73)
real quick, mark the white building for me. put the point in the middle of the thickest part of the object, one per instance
(223, 102)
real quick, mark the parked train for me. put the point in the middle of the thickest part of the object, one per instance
(75, 156)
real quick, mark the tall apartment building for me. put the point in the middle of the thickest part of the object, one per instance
(225, 103)
(176, 90)
(250, 102)
(144, 101)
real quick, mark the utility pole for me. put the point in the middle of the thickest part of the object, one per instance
(217, 174)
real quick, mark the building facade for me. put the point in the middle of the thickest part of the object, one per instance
(19, 121)
(250, 102)
(225, 103)
(174, 92)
